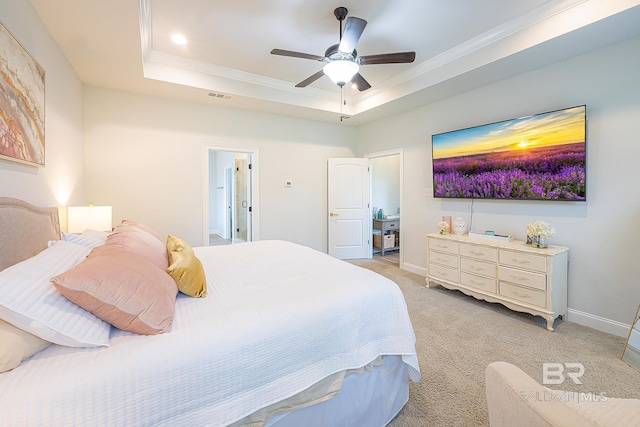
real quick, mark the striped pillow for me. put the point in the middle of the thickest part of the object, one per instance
(29, 302)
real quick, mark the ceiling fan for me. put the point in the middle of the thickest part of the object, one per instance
(342, 60)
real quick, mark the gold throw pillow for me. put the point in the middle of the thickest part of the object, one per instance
(185, 268)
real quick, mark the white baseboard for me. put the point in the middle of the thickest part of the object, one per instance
(586, 319)
(416, 269)
(597, 322)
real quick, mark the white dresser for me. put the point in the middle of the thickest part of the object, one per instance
(519, 276)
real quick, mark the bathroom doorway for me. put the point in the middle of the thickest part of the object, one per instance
(230, 195)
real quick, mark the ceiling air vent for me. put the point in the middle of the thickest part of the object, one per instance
(219, 95)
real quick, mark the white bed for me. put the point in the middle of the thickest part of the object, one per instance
(286, 336)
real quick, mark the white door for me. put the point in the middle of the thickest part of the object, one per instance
(349, 213)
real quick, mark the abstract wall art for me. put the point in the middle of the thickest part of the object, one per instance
(21, 103)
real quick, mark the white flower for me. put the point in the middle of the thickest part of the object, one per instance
(540, 228)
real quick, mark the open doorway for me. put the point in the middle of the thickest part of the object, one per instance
(230, 195)
(386, 203)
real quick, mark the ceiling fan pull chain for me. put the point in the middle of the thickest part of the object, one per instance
(341, 101)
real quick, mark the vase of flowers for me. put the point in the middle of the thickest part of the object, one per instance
(443, 227)
(539, 232)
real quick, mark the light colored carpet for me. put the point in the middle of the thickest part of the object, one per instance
(457, 336)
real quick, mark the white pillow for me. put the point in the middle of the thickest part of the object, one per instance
(30, 302)
(89, 238)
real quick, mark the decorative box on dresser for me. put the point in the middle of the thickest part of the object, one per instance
(517, 275)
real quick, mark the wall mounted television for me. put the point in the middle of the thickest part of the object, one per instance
(537, 157)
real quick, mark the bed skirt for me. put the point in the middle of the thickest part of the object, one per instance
(368, 398)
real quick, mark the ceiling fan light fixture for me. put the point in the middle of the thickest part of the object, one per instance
(341, 71)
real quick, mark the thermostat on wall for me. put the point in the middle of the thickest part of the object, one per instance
(288, 183)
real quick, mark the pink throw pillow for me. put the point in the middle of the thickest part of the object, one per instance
(122, 289)
(140, 243)
(144, 227)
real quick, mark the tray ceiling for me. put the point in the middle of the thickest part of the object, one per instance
(459, 45)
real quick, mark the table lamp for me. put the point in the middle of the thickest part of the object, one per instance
(81, 218)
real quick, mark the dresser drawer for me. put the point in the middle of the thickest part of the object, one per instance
(478, 282)
(523, 278)
(443, 259)
(443, 245)
(478, 267)
(526, 295)
(440, 272)
(523, 260)
(479, 252)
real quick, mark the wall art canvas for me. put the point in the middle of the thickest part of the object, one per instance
(21, 103)
(538, 157)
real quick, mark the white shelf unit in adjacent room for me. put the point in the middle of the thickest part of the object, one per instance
(519, 276)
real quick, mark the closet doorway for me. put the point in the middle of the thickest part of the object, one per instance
(386, 195)
(230, 195)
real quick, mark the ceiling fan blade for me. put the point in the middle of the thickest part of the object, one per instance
(352, 31)
(310, 79)
(360, 82)
(293, 54)
(387, 58)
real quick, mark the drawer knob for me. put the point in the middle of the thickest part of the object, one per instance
(477, 268)
(521, 278)
(477, 253)
(520, 261)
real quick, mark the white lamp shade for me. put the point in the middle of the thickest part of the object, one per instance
(341, 71)
(81, 218)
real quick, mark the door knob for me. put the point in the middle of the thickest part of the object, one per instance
(333, 214)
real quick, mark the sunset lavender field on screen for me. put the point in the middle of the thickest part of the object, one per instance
(556, 172)
(537, 157)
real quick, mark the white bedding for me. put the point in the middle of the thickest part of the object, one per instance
(278, 317)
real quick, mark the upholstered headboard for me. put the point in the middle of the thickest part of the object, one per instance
(25, 230)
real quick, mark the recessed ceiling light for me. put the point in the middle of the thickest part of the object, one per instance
(179, 39)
